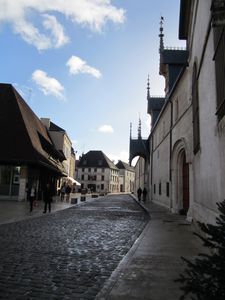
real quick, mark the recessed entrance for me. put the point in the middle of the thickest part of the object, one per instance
(185, 180)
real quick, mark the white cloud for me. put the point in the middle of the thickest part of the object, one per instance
(32, 35)
(124, 156)
(91, 13)
(56, 29)
(106, 129)
(77, 65)
(48, 85)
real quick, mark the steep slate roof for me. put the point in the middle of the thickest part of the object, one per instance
(173, 56)
(123, 165)
(54, 127)
(96, 159)
(24, 138)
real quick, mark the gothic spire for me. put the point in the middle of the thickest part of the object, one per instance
(130, 131)
(161, 35)
(139, 128)
(148, 89)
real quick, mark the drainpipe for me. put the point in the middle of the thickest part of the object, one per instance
(151, 168)
(170, 164)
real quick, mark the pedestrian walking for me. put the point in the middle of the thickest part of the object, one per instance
(32, 197)
(63, 191)
(68, 191)
(48, 193)
(139, 192)
(144, 194)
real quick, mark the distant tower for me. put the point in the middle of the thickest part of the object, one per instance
(130, 131)
(148, 89)
(139, 129)
(161, 35)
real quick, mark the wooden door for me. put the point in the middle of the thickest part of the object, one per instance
(185, 185)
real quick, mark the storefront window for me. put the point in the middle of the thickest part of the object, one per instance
(9, 180)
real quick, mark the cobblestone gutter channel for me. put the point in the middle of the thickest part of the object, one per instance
(69, 254)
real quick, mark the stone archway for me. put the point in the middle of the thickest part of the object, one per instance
(180, 201)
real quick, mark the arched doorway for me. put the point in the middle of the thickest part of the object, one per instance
(181, 174)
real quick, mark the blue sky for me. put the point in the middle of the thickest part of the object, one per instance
(84, 64)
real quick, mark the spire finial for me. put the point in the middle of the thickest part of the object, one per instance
(139, 128)
(148, 88)
(161, 35)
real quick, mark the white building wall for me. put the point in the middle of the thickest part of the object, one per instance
(160, 175)
(139, 174)
(161, 159)
(129, 181)
(182, 141)
(208, 163)
(110, 181)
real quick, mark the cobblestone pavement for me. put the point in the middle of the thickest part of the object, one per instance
(68, 254)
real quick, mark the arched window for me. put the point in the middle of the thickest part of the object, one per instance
(195, 110)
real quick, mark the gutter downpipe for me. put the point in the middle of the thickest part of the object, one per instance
(170, 165)
(151, 169)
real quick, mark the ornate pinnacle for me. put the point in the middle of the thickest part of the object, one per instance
(161, 35)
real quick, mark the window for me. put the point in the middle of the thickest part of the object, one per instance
(83, 169)
(95, 169)
(176, 110)
(167, 189)
(219, 58)
(103, 177)
(160, 189)
(102, 186)
(154, 188)
(89, 169)
(195, 110)
(82, 177)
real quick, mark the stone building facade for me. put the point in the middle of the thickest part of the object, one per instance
(187, 138)
(126, 177)
(97, 173)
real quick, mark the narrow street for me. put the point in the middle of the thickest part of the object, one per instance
(68, 254)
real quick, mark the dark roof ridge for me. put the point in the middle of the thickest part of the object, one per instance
(93, 157)
(54, 127)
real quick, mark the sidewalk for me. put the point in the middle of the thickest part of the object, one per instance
(148, 271)
(13, 211)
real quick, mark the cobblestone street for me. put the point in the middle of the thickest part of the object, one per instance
(68, 254)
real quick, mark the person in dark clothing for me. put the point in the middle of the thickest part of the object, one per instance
(48, 198)
(144, 194)
(139, 192)
(68, 191)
